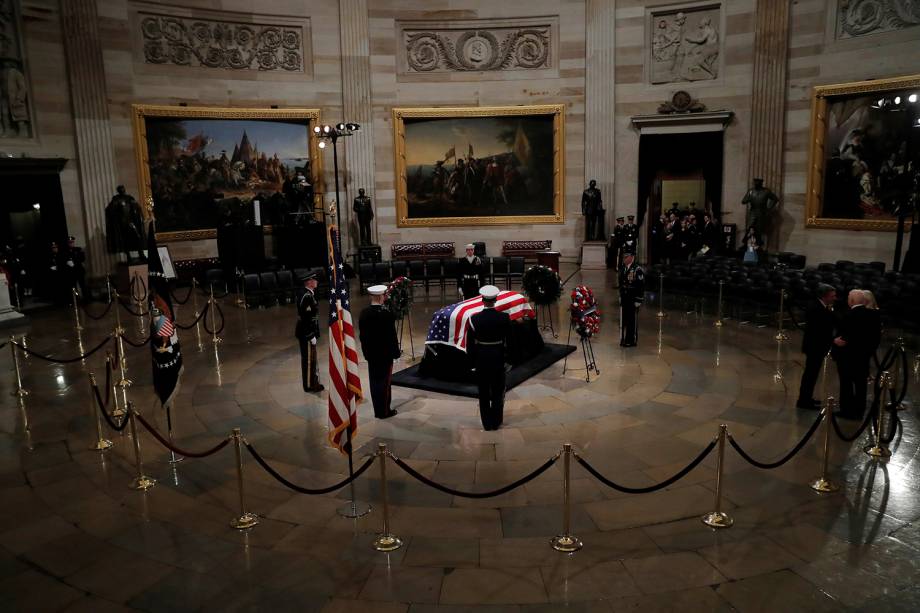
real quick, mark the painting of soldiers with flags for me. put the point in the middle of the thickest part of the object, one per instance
(203, 167)
(483, 165)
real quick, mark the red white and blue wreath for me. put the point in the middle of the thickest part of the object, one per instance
(585, 315)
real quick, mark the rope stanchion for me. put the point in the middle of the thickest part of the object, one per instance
(19, 391)
(141, 482)
(194, 324)
(503, 490)
(386, 541)
(717, 518)
(76, 310)
(880, 448)
(171, 447)
(79, 358)
(651, 488)
(780, 335)
(198, 314)
(305, 490)
(245, 520)
(108, 307)
(103, 410)
(771, 465)
(214, 309)
(187, 295)
(661, 314)
(566, 542)
(140, 344)
(718, 323)
(137, 313)
(823, 484)
(101, 443)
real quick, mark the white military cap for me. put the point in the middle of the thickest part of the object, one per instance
(470, 246)
(489, 292)
(377, 290)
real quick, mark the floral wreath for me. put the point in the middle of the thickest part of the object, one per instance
(542, 285)
(586, 317)
(398, 297)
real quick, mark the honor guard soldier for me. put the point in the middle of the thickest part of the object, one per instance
(307, 333)
(377, 331)
(616, 244)
(486, 337)
(469, 272)
(632, 293)
(631, 233)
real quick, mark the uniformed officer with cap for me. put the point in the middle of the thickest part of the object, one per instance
(307, 333)
(616, 244)
(469, 271)
(486, 337)
(377, 331)
(632, 294)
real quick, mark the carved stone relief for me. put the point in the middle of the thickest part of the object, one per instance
(861, 17)
(15, 95)
(685, 44)
(484, 47)
(214, 42)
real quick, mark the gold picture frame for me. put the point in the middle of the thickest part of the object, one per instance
(406, 216)
(142, 112)
(823, 97)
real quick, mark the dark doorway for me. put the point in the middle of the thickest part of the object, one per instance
(681, 158)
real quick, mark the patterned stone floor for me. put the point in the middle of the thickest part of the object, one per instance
(73, 536)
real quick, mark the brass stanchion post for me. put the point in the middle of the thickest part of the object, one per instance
(76, 310)
(661, 312)
(16, 296)
(197, 313)
(718, 518)
(141, 481)
(101, 443)
(245, 520)
(20, 391)
(566, 542)
(140, 311)
(718, 323)
(823, 484)
(880, 449)
(212, 308)
(780, 335)
(385, 541)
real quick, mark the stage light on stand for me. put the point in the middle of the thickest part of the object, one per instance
(322, 144)
(328, 133)
(912, 98)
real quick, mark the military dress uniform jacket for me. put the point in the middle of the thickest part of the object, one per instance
(377, 332)
(469, 277)
(487, 338)
(307, 317)
(632, 284)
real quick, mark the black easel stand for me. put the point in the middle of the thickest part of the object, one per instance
(587, 351)
(544, 315)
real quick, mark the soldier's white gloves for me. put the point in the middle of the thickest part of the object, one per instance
(313, 341)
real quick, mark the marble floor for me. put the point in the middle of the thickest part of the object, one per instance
(74, 537)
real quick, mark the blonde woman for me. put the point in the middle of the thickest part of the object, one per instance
(870, 300)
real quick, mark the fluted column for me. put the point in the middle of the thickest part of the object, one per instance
(95, 151)
(600, 122)
(768, 104)
(356, 105)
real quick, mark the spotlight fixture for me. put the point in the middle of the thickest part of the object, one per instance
(912, 98)
(322, 144)
(897, 99)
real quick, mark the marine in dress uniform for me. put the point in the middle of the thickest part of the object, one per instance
(469, 273)
(632, 294)
(816, 342)
(377, 332)
(616, 243)
(307, 333)
(631, 234)
(486, 338)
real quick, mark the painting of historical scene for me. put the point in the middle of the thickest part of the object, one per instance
(205, 172)
(684, 45)
(496, 167)
(15, 100)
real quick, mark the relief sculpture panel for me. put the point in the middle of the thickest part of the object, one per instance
(860, 17)
(685, 44)
(15, 95)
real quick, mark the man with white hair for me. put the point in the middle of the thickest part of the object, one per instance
(469, 273)
(860, 335)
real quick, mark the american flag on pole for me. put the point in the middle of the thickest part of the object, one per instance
(345, 390)
(448, 326)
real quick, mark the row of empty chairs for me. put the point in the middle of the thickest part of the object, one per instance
(440, 272)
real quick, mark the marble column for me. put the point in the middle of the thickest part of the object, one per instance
(768, 103)
(356, 107)
(600, 120)
(95, 150)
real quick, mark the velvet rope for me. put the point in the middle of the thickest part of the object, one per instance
(132, 311)
(222, 321)
(138, 344)
(169, 445)
(197, 319)
(187, 295)
(651, 488)
(52, 359)
(105, 311)
(304, 490)
(785, 458)
(103, 408)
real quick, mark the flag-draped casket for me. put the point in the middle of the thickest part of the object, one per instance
(445, 347)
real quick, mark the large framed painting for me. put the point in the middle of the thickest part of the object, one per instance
(202, 166)
(479, 165)
(865, 147)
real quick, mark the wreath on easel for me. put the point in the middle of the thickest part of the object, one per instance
(586, 317)
(542, 284)
(398, 297)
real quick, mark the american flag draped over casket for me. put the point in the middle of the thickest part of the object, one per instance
(448, 326)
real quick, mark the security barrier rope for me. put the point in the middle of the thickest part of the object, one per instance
(55, 360)
(188, 295)
(137, 344)
(105, 311)
(447, 490)
(222, 321)
(305, 490)
(166, 442)
(795, 450)
(104, 409)
(197, 319)
(651, 488)
(132, 311)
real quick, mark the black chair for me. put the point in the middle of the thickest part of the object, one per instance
(253, 290)
(285, 286)
(417, 272)
(449, 269)
(269, 287)
(215, 277)
(382, 272)
(365, 275)
(434, 271)
(500, 271)
(515, 270)
(399, 268)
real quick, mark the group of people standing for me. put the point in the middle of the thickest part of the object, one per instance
(51, 276)
(681, 234)
(851, 338)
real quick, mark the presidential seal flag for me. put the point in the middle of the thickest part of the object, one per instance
(164, 340)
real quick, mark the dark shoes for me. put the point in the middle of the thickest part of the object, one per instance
(315, 389)
(388, 415)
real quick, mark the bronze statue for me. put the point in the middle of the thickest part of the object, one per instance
(124, 225)
(762, 201)
(592, 207)
(364, 213)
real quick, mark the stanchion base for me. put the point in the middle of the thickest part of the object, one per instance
(661, 315)
(718, 323)
(244, 521)
(175, 459)
(20, 393)
(354, 509)
(142, 483)
(101, 445)
(387, 542)
(777, 377)
(566, 543)
(718, 519)
(124, 383)
(877, 452)
(216, 340)
(823, 485)
(781, 336)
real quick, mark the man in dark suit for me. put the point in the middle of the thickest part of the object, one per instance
(816, 342)
(860, 335)
(486, 338)
(377, 331)
(307, 333)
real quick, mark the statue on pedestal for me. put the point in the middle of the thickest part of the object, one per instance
(761, 201)
(124, 226)
(364, 213)
(592, 207)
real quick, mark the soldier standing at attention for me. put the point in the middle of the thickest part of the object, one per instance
(307, 333)
(469, 271)
(486, 338)
(377, 331)
(632, 293)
